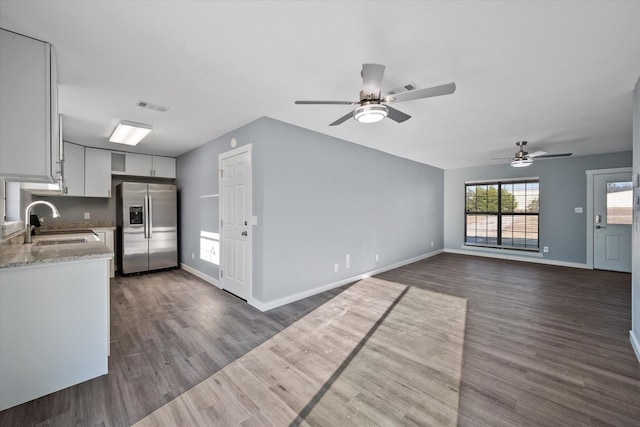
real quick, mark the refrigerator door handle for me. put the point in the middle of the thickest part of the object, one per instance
(145, 216)
(150, 215)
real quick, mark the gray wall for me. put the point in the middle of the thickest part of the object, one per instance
(563, 185)
(197, 181)
(317, 198)
(635, 301)
(325, 198)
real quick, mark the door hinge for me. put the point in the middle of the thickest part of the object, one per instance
(221, 273)
(221, 173)
(221, 223)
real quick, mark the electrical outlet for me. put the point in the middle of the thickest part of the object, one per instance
(347, 262)
(87, 215)
(377, 257)
(193, 255)
(335, 268)
(545, 249)
(431, 243)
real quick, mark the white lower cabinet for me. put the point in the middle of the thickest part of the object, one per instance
(106, 237)
(54, 327)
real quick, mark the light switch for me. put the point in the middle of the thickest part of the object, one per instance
(87, 215)
(578, 209)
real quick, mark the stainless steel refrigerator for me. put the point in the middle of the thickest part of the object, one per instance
(147, 226)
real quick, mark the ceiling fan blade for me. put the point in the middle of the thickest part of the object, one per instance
(537, 154)
(372, 79)
(422, 93)
(550, 156)
(501, 158)
(342, 119)
(396, 115)
(326, 102)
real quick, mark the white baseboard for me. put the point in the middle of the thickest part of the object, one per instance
(201, 275)
(270, 305)
(635, 344)
(511, 256)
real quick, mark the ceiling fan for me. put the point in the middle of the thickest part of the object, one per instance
(373, 107)
(523, 159)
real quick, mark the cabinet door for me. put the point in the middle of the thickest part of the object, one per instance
(164, 167)
(137, 164)
(56, 122)
(97, 176)
(25, 108)
(73, 170)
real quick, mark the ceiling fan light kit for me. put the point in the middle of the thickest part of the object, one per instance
(370, 113)
(523, 159)
(372, 105)
(521, 163)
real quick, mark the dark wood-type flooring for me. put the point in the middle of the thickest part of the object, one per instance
(543, 345)
(380, 353)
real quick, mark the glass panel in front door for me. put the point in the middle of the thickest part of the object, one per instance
(619, 202)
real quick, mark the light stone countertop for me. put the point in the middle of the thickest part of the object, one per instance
(24, 255)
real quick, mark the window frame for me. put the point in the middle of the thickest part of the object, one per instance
(500, 214)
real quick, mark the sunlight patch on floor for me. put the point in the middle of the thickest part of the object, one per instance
(378, 353)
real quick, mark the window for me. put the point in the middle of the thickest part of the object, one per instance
(10, 192)
(619, 203)
(502, 214)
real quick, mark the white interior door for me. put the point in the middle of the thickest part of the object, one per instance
(235, 216)
(613, 216)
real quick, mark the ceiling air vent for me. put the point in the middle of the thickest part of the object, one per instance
(152, 106)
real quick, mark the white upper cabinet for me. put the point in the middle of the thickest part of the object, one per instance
(143, 165)
(97, 172)
(73, 179)
(164, 167)
(87, 171)
(29, 134)
(137, 164)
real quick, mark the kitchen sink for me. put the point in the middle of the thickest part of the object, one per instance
(51, 232)
(60, 242)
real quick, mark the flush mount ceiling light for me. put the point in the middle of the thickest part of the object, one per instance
(129, 133)
(370, 113)
(521, 163)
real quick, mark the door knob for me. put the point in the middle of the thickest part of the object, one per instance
(598, 227)
(244, 233)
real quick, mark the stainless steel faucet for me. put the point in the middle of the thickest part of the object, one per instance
(27, 217)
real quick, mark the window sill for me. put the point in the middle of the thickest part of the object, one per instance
(523, 252)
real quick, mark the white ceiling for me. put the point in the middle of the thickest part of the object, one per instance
(558, 74)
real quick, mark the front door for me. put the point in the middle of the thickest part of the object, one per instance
(613, 216)
(235, 216)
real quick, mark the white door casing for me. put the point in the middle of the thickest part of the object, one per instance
(235, 220)
(611, 232)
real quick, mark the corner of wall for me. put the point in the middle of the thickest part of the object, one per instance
(635, 271)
